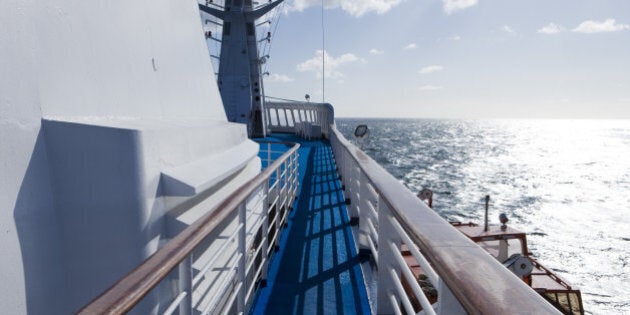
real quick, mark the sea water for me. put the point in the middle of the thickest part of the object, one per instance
(564, 182)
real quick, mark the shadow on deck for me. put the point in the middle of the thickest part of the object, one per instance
(317, 269)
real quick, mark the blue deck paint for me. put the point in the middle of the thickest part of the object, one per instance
(317, 269)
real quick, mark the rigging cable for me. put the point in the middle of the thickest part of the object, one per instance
(323, 57)
(275, 21)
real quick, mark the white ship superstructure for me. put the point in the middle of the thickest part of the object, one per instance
(109, 118)
(126, 186)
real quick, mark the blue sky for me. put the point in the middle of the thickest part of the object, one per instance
(457, 58)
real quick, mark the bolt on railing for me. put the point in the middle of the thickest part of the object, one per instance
(216, 263)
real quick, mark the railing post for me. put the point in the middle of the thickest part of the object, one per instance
(345, 175)
(363, 212)
(355, 175)
(283, 188)
(242, 262)
(278, 218)
(268, 155)
(348, 183)
(185, 285)
(386, 261)
(265, 233)
(268, 110)
(294, 176)
(343, 156)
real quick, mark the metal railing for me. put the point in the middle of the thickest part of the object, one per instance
(215, 264)
(310, 120)
(467, 279)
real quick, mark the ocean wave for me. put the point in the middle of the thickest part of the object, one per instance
(565, 182)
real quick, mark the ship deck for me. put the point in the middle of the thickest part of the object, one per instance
(316, 269)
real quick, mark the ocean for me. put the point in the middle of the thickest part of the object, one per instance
(564, 182)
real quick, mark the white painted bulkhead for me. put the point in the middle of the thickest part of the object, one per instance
(109, 118)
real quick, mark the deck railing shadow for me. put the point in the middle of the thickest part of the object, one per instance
(319, 269)
(223, 277)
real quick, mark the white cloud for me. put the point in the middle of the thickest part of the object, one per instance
(275, 77)
(411, 46)
(375, 51)
(508, 29)
(430, 88)
(551, 28)
(610, 25)
(453, 38)
(355, 8)
(332, 64)
(451, 6)
(431, 69)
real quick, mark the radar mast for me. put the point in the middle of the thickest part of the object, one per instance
(240, 78)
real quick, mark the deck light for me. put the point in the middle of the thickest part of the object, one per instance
(426, 194)
(503, 218)
(360, 134)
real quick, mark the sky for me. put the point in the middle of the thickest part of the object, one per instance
(455, 58)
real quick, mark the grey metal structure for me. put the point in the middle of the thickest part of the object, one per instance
(239, 77)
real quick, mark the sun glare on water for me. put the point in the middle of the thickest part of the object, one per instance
(565, 182)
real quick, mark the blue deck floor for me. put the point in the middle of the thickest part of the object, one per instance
(317, 269)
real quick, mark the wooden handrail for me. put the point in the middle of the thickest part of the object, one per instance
(128, 291)
(480, 283)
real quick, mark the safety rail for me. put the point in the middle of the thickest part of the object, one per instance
(466, 278)
(309, 120)
(215, 264)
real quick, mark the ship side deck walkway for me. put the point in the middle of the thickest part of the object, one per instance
(316, 269)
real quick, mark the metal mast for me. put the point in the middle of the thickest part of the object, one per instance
(240, 77)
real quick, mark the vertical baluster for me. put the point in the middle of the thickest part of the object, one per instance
(267, 116)
(293, 181)
(185, 285)
(355, 172)
(297, 172)
(364, 213)
(342, 167)
(268, 154)
(287, 182)
(386, 261)
(278, 212)
(344, 158)
(283, 188)
(276, 218)
(240, 274)
(265, 233)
